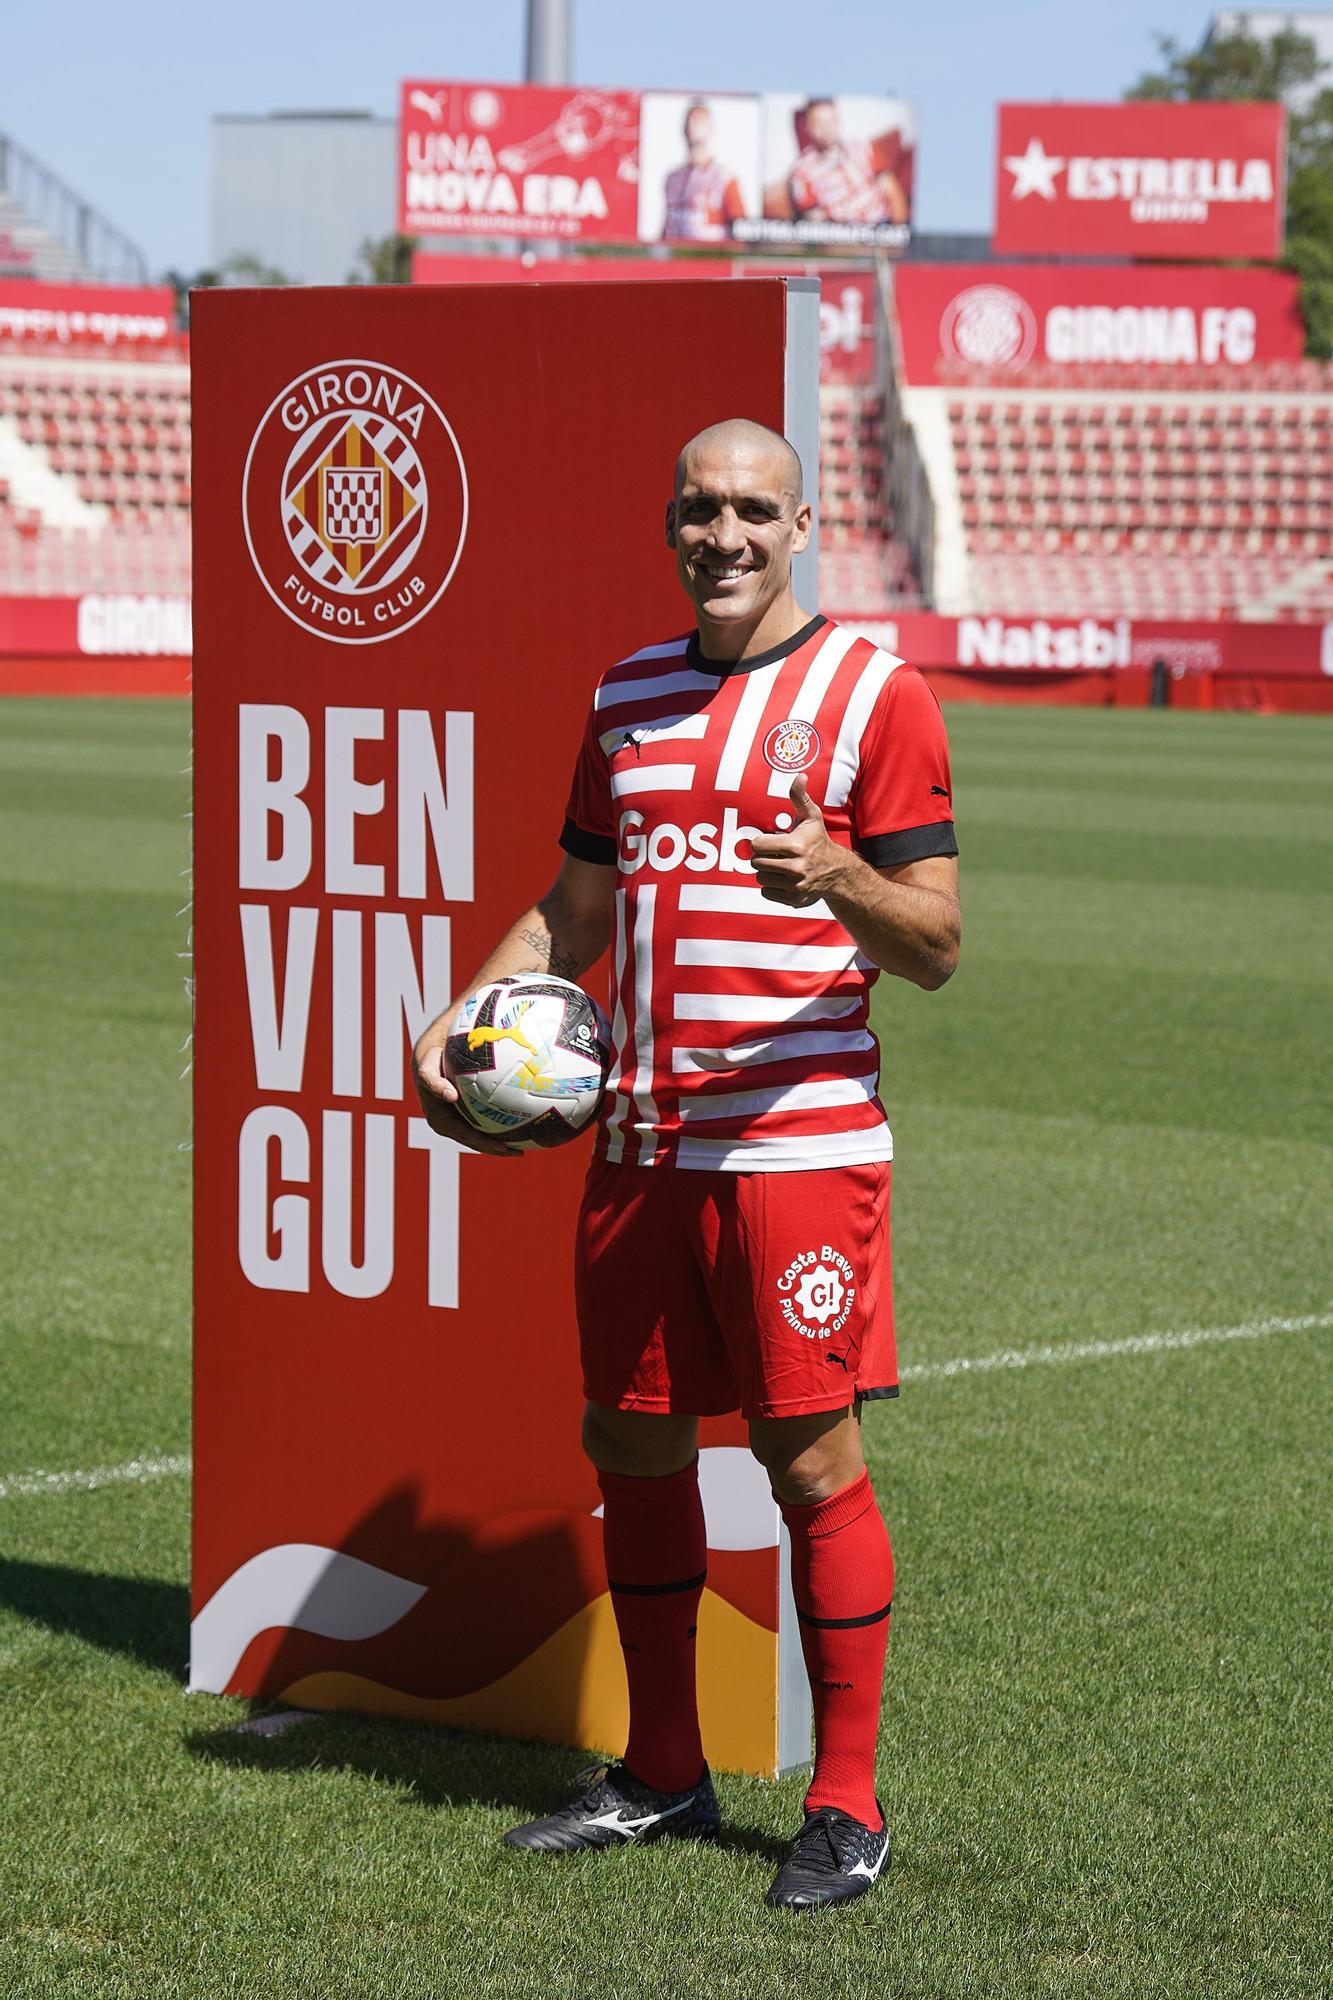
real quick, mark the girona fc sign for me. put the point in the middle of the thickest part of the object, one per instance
(354, 501)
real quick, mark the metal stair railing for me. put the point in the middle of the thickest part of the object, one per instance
(73, 223)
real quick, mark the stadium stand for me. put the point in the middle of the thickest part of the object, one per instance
(863, 564)
(1103, 496)
(51, 234)
(1113, 497)
(94, 476)
(95, 493)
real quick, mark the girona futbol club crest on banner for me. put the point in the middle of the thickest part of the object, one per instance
(355, 501)
(392, 662)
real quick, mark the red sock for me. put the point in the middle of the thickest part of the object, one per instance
(842, 1579)
(656, 1557)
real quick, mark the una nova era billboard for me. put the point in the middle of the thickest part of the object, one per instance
(960, 320)
(790, 170)
(1140, 180)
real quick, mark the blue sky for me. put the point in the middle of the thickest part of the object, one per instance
(117, 98)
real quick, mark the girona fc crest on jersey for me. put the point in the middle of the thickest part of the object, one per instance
(354, 501)
(791, 746)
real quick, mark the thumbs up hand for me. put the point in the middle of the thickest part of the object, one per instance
(804, 804)
(799, 863)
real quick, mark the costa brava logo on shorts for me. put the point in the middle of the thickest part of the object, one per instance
(354, 501)
(818, 1292)
(792, 746)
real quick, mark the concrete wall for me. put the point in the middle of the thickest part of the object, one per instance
(302, 190)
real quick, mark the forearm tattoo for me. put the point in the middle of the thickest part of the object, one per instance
(562, 963)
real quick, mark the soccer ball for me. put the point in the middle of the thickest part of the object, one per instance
(528, 1057)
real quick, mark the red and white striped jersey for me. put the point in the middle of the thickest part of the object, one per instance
(740, 1027)
(701, 204)
(840, 181)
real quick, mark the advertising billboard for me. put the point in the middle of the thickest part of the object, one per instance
(699, 166)
(392, 1511)
(1140, 180)
(137, 316)
(523, 160)
(837, 173)
(956, 320)
(782, 172)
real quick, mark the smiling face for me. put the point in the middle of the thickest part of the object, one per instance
(735, 523)
(821, 124)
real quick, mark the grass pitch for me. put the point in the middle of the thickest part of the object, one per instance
(1106, 1738)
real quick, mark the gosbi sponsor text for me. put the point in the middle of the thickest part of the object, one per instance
(700, 848)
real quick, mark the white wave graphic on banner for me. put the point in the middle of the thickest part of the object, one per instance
(300, 1587)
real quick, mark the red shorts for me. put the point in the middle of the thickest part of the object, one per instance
(702, 1292)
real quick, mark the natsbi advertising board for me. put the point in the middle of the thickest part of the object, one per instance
(1140, 180)
(957, 320)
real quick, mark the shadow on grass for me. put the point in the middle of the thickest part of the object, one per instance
(149, 1622)
(146, 1620)
(431, 1765)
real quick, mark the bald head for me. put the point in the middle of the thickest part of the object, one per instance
(735, 523)
(747, 443)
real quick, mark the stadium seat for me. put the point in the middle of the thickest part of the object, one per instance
(1126, 499)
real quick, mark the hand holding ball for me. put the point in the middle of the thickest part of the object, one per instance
(528, 1057)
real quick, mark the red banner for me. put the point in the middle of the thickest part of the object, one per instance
(121, 625)
(1140, 180)
(987, 644)
(87, 315)
(848, 303)
(483, 159)
(848, 313)
(388, 693)
(955, 319)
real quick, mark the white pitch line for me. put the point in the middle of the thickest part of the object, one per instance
(1107, 1350)
(135, 1472)
(139, 1471)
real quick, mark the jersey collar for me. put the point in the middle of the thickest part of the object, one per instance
(699, 663)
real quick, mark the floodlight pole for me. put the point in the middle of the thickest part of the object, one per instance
(548, 62)
(548, 41)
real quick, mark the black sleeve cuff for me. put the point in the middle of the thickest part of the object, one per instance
(588, 846)
(912, 843)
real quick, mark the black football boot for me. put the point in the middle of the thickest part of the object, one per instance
(833, 1858)
(617, 1808)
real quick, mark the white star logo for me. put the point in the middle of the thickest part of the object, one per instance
(1034, 172)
